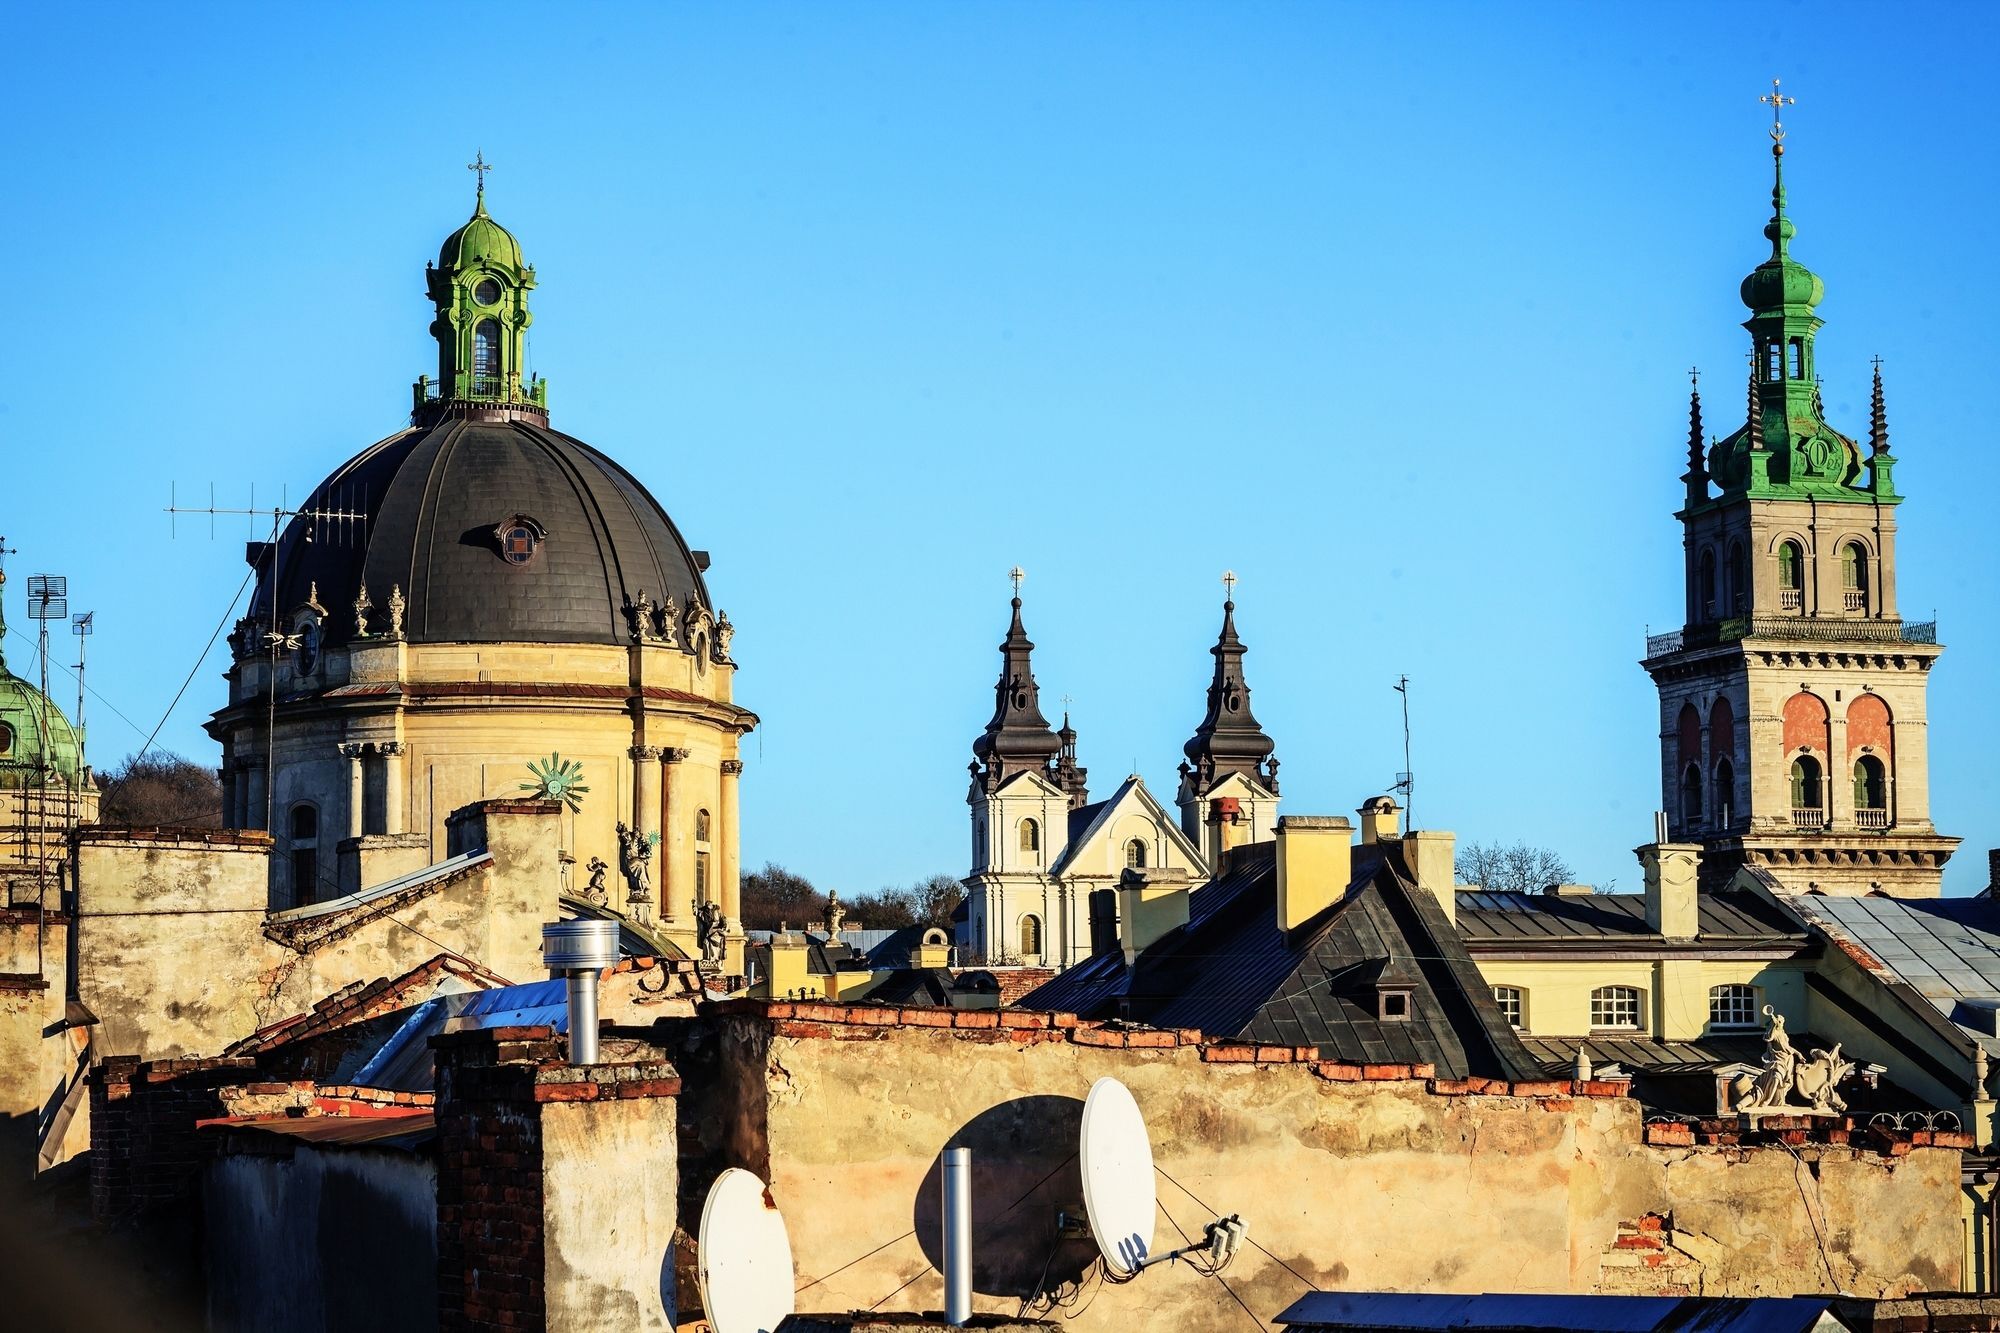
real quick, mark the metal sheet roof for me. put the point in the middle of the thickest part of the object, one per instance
(1531, 917)
(384, 1126)
(1947, 950)
(1377, 1310)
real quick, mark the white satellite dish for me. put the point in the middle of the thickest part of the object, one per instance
(1117, 1163)
(744, 1256)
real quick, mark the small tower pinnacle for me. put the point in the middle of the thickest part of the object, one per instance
(1017, 739)
(1878, 416)
(1697, 473)
(1229, 739)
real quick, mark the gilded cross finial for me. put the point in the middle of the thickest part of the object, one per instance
(1777, 101)
(1694, 376)
(1229, 584)
(1014, 576)
(480, 166)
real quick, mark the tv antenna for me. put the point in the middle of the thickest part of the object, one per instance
(744, 1256)
(342, 521)
(1115, 1157)
(48, 599)
(1406, 781)
(83, 627)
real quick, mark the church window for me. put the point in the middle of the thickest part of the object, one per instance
(1135, 854)
(1854, 575)
(1808, 798)
(1791, 576)
(701, 877)
(1774, 362)
(487, 292)
(1871, 784)
(701, 826)
(305, 853)
(1798, 359)
(1705, 583)
(1031, 836)
(6, 739)
(1725, 791)
(1512, 1003)
(1739, 586)
(1614, 1007)
(1691, 796)
(486, 356)
(1031, 937)
(1732, 1006)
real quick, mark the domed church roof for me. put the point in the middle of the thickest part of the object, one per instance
(494, 530)
(33, 730)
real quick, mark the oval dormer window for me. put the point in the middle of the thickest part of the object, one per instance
(306, 655)
(487, 292)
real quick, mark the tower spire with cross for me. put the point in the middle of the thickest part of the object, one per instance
(479, 166)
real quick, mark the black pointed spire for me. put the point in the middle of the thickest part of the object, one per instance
(1878, 416)
(1696, 476)
(1018, 738)
(1756, 410)
(1229, 739)
(1071, 776)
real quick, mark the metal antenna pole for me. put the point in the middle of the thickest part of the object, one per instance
(1408, 781)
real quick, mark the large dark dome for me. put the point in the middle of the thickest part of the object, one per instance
(440, 501)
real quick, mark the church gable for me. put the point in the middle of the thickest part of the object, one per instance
(1132, 815)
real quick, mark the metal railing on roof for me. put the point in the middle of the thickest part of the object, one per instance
(1807, 629)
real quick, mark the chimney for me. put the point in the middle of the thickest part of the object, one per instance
(1226, 813)
(1151, 902)
(1431, 856)
(1315, 865)
(578, 951)
(1672, 908)
(1380, 819)
(791, 965)
(933, 950)
(1993, 872)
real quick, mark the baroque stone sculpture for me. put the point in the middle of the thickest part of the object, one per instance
(594, 890)
(1816, 1079)
(711, 930)
(635, 862)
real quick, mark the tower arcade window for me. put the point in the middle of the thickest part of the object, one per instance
(1774, 362)
(701, 826)
(486, 355)
(1791, 576)
(1031, 936)
(1798, 359)
(1732, 1006)
(1031, 836)
(1135, 854)
(1854, 576)
(1614, 1008)
(1691, 796)
(1871, 787)
(1739, 585)
(1808, 792)
(1705, 584)
(1725, 792)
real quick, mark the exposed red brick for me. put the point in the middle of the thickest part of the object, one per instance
(1023, 1018)
(975, 1018)
(1099, 1037)
(1638, 1242)
(1450, 1087)
(566, 1092)
(792, 1027)
(920, 1016)
(1385, 1071)
(1152, 1041)
(1544, 1089)
(1227, 1054)
(1275, 1055)
(1671, 1135)
(1336, 1072)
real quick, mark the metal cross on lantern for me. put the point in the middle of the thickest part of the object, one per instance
(479, 166)
(1229, 584)
(1777, 101)
(1015, 575)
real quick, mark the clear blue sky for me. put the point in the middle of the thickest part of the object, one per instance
(1389, 309)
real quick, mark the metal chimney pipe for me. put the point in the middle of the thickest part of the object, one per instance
(957, 1236)
(578, 951)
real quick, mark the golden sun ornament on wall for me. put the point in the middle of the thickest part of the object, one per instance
(558, 779)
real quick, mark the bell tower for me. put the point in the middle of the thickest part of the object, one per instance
(1793, 699)
(480, 287)
(1229, 781)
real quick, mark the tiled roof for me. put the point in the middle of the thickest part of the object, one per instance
(1233, 973)
(1528, 918)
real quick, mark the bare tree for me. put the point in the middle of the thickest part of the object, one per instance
(774, 896)
(1514, 868)
(160, 789)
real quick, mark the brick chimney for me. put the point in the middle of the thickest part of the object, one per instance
(1151, 902)
(1672, 908)
(1315, 865)
(1381, 818)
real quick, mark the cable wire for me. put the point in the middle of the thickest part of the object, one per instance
(1248, 1313)
(1309, 1283)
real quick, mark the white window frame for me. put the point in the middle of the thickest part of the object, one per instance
(1602, 998)
(1514, 999)
(1749, 1021)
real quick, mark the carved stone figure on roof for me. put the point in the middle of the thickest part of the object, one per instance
(724, 632)
(635, 862)
(594, 890)
(711, 931)
(639, 615)
(396, 607)
(835, 914)
(669, 625)
(362, 606)
(1816, 1078)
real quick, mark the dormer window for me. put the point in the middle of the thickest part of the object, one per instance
(1394, 1004)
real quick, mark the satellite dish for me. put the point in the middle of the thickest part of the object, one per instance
(744, 1256)
(1117, 1164)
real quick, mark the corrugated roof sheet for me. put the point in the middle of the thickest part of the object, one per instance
(383, 1126)
(416, 879)
(1385, 1311)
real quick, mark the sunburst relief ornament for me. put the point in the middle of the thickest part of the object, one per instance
(558, 779)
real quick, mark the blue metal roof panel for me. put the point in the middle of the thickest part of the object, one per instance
(1530, 1313)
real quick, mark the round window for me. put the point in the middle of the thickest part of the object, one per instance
(6, 739)
(487, 292)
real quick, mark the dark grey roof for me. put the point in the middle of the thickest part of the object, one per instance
(433, 497)
(1534, 917)
(1381, 1312)
(1639, 1053)
(1947, 950)
(1232, 973)
(1080, 820)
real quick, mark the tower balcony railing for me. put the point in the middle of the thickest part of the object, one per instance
(1867, 818)
(533, 392)
(1791, 599)
(1808, 818)
(1810, 629)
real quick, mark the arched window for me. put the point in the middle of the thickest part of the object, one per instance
(1705, 584)
(1732, 1006)
(305, 854)
(1031, 937)
(701, 826)
(1135, 854)
(1791, 576)
(1691, 795)
(1871, 785)
(1725, 792)
(1854, 576)
(1614, 1007)
(486, 356)
(1739, 583)
(1808, 794)
(1031, 836)
(6, 738)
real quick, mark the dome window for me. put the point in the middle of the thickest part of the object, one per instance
(6, 739)
(487, 292)
(520, 537)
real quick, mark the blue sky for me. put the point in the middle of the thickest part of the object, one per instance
(1388, 309)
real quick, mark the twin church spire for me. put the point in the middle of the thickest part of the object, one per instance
(1018, 738)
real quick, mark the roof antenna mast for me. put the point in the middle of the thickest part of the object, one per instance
(1406, 780)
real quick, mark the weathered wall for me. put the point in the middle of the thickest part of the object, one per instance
(321, 1240)
(609, 1200)
(1363, 1184)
